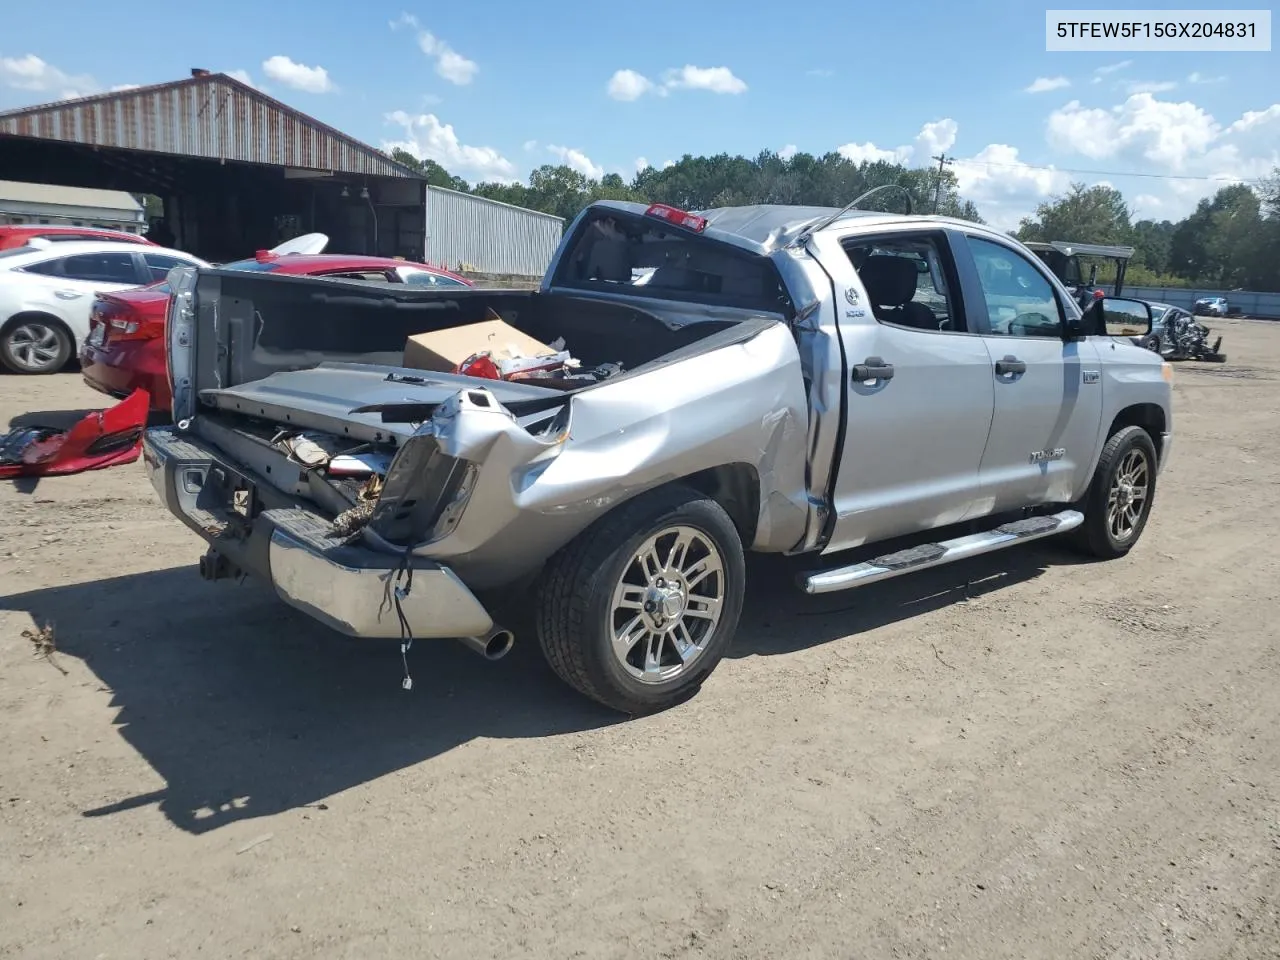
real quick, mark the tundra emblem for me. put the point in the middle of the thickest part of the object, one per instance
(1092, 376)
(1044, 456)
(851, 295)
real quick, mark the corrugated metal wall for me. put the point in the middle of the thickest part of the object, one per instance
(1250, 303)
(211, 117)
(487, 236)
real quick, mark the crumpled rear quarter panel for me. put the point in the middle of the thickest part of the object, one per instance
(740, 404)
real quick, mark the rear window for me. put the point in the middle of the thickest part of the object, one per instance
(644, 257)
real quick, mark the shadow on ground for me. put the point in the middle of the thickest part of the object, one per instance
(246, 708)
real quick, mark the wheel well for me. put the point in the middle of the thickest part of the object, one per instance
(48, 318)
(736, 487)
(1148, 416)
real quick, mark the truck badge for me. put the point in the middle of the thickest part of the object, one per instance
(851, 295)
(1044, 456)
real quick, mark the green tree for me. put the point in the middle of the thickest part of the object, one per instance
(1084, 215)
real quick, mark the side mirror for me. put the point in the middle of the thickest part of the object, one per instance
(1119, 317)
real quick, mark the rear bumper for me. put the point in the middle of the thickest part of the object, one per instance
(119, 369)
(274, 538)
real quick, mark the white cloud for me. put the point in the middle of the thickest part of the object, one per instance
(935, 137)
(1045, 84)
(1200, 78)
(1003, 187)
(531, 145)
(714, 79)
(870, 153)
(629, 85)
(642, 164)
(429, 139)
(450, 64)
(1161, 131)
(577, 160)
(666, 164)
(789, 151)
(1150, 86)
(1256, 118)
(32, 73)
(297, 75)
(1179, 139)
(242, 76)
(121, 87)
(1110, 69)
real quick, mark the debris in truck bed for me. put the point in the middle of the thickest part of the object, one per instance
(444, 350)
(359, 464)
(350, 522)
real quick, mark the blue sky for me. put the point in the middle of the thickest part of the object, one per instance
(493, 89)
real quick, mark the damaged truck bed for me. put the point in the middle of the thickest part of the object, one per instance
(397, 461)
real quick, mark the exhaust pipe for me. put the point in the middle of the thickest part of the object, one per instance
(494, 645)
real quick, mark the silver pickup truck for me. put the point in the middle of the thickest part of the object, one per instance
(881, 393)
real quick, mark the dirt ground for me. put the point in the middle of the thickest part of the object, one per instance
(1022, 756)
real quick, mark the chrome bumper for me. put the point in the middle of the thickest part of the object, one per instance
(348, 588)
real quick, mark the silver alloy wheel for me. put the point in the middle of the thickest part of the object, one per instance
(33, 345)
(1128, 495)
(667, 604)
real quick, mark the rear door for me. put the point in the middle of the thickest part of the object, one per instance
(920, 394)
(1048, 391)
(69, 282)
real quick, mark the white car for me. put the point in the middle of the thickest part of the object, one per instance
(47, 290)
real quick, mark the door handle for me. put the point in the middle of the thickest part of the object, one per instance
(1010, 365)
(873, 368)
(68, 294)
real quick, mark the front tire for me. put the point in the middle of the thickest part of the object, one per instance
(638, 610)
(1120, 496)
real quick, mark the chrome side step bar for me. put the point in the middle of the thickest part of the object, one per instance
(936, 554)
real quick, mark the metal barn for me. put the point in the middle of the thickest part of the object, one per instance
(479, 235)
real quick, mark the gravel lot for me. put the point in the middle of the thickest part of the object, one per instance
(1023, 756)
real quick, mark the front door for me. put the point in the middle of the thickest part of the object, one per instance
(1048, 392)
(919, 393)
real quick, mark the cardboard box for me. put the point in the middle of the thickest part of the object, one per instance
(443, 350)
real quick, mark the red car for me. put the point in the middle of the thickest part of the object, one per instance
(125, 348)
(18, 235)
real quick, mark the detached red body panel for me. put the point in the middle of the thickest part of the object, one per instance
(100, 439)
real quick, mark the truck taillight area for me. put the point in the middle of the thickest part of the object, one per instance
(677, 217)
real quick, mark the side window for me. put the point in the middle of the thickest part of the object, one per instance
(46, 268)
(1020, 301)
(424, 278)
(906, 281)
(369, 276)
(159, 265)
(101, 267)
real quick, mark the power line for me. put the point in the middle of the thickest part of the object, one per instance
(1104, 173)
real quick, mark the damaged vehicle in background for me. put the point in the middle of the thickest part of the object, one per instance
(1177, 335)
(878, 393)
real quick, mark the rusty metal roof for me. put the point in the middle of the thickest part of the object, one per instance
(212, 116)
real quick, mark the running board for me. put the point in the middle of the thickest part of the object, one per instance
(936, 554)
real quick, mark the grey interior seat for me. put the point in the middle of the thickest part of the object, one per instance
(891, 285)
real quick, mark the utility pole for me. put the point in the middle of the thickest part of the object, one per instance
(942, 159)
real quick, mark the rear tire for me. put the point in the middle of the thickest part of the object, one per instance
(638, 610)
(1120, 495)
(34, 344)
